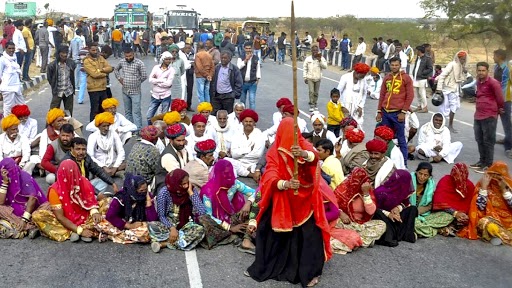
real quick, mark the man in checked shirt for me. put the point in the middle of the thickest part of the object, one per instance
(131, 72)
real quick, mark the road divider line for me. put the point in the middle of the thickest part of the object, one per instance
(194, 276)
(336, 81)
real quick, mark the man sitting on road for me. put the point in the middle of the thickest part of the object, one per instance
(206, 109)
(105, 146)
(198, 134)
(280, 104)
(224, 134)
(387, 135)
(14, 145)
(288, 111)
(357, 155)
(319, 131)
(121, 125)
(57, 151)
(379, 167)
(54, 121)
(198, 168)
(234, 117)
(175, 156)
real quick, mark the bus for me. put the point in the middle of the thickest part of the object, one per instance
(187, 19)
(131, 15)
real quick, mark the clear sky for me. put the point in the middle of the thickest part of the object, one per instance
(240, 9)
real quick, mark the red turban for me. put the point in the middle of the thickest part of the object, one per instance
(348, 121)
(384, 132)
(198, 118)
(289, 109)
(249, 113)
(462, 54)
(20, 110)
(149, 133)
(361, 68)
(282, 102)
(354, 135)
(205, 147)
(376, 145)
(178, 105)
(175, 130)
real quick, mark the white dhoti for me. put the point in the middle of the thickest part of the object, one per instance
(451, 103)
(184, 86)
(452, 151)
(11, 98)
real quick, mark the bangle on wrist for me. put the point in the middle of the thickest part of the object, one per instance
(26, 216)
(455, 213)
(79, 230)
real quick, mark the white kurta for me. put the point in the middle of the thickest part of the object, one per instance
(429, 138)
(234, 122)
(29, 129)
(271, 132)
(11, 149)
(246, 151)
(352, 96)
(110, 153)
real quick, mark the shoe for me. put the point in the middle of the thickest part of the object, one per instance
(86, 239)
(482, 170)
(33, 233)
(311, 109)
(496, 241)
(246, 273)
(155, 247)
(74, 237)
(500, 141)
(476, 165)
(251, 251)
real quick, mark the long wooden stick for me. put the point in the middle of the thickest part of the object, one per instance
(295, 99)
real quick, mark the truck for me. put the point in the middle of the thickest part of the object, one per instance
(181, 17)
(159, 18)
(131, 15)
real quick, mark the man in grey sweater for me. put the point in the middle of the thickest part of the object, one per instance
(44, 42)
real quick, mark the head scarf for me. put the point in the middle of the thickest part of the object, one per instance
(354, 135)
(454, 191)
(172, 117)
(75, 192)
(430, 125)
(249, 113)
(318, 116)
(375, 70)
(17, 197)
(289, 108)
(20, 110)
(10, 121)
(396, 190)
(109, 102)
(204, 106)
(199, 118)
(129, 196)
(348, 121)
(178, 105)
(361, 68)
(384, 132)
(175, 130)
(376, 145)
(179, 195)
(149, 133)
(350, 190)
(222, 178)
(53, 114)
(205, 147)
(105, 117)
(282, 102)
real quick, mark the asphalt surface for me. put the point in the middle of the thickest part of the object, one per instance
(436, 262)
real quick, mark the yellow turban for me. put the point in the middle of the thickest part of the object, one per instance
(10, 121)
(105, 117)
(109, 102)
(172, 117)
(50, 22)
(204, 106)
(375, 70)
(53, 114)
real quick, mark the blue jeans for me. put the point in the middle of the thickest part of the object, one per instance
(116, 49)
(345, 60)
(281, 54)
(507, 125)
(99, 185)
(154, 104)
(203, 90)
(258, 53)
(19, 58)
(390, 119)
(241, 51)
(132, 109)
(251, 88)
(26, 63)
(82, 80)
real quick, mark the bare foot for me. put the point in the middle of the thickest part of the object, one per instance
(313, 282)
(453, 130)
(248, 244)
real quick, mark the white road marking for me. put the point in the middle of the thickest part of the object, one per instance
(194, 276)
(336, 81)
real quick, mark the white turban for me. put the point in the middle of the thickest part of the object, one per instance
(166, 54)
(317, 116)
(181, 44)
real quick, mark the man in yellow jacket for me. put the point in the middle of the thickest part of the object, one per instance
(97, 69)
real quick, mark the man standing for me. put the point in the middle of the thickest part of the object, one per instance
(502, 75)
(61, 76)
(213, 51)
(251, 75)
(489, 103)
(360, 50)
(190, 54)
(345, 46)
(30, 44)
(312, 74)
(131, 72)
(395, 99)
(409, 52)
(322, 44)
(97, 69)
(333, 48)
(117, 40)
(421, 72)
(281, 46)
(19, 42)
(10, 72)
(449, 83)
(44, 43)
(226, 84)
(204, 70)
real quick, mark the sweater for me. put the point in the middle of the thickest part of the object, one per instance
(396, 93)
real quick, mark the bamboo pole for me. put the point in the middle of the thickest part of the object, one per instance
(295, 99)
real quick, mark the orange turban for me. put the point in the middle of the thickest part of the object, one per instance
(204, 106)
(462, 54)
(361, 68)
(105, 117)
(10, 121)
(109, 102)
(50, 22)
(178, 105)
(53, 114)
(354, 135)
(172, 117)
(384, 132)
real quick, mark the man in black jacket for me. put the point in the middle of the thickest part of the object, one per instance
(78, 153)
(61, 76)
(421, 72)
(226, 85)
(251, 74)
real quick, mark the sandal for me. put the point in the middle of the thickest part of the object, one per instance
(251, 251)
(313, 282)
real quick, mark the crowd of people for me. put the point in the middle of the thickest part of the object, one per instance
(181, 172)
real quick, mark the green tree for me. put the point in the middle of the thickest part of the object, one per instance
(469, 17)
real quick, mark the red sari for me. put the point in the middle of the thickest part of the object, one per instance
(454, 191)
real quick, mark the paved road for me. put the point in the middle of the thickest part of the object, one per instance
(441, 262)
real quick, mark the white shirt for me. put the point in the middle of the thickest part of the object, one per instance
(398, 158)
(403, 60)
(247, 77)
(19, 147)
(160, 145)
(192, 139)
(50, 30)
(361, 49)
(29, 129)
(277, 117)
(102, 157)
(271, 132)
(170, 163)
(248, 150)
(19, 41)
(234, 122)
(10, 73)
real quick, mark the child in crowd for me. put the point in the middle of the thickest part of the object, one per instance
(335, 112)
